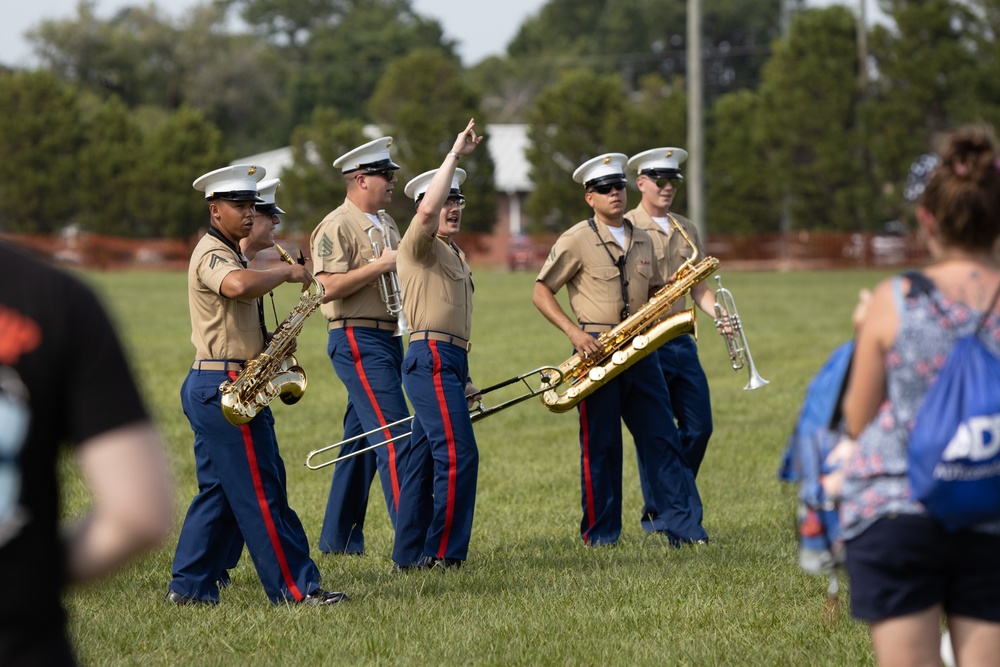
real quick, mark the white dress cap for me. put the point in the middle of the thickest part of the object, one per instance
(607, 168)
(373, 156)
(266, 190)
(237, 182)
(416, 188)
(659, 162)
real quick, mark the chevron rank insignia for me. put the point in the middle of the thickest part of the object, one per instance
(216, 260)
(325, 246)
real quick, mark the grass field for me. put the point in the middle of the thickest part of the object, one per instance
(530, 594)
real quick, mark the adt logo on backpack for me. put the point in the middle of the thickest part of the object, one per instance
(976, 440)
(954, 455)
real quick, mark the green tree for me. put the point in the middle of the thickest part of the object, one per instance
(343, 61)
(656, 115)
(936, 69)
(108, 171)
(566, 127)
(174, 155)
(739, 195)
(40, 137)
(424, 103)
(132, 55)
(312, 187)
(809, 118)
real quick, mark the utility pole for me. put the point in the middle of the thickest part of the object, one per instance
(862, 47)
(696, 129)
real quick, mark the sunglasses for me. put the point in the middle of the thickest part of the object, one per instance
(661, 182)
(608, 187)
(459, 201)
(387, 174)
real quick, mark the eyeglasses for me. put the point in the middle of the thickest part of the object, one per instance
(387, 174)
(607, 187)
(458, 201)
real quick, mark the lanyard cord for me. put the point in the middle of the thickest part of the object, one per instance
(212, 231)
(619, 263)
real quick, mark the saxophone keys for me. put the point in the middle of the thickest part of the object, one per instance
(619, 357)
(640, 342)
(596, 374)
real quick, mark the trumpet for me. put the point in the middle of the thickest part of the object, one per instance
(388, 283)
(727, 318)
(550, 377)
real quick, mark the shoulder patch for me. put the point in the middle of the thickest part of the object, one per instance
(325, 246)
(216, 260)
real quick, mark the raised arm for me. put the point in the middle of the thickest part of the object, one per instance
(440, 186)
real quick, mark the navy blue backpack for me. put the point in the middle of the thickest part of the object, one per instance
(818, 429)
(954, 448)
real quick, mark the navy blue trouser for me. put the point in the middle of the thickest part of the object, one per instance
(241, 494)
(689, 396)
(438, 493)
(638, 396)
(368, 362)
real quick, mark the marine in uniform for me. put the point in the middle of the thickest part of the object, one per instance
(658, 171)
(608, 267)
(438, 493)
(241, 477)
(364, 346)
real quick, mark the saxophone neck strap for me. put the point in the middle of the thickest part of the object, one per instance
(619, 262)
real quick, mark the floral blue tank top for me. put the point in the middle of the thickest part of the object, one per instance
(876, 483)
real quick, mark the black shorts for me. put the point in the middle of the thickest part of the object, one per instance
(905, 564)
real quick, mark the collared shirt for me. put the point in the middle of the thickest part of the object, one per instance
(221, 328)
(436, 283)
(340, 243)
(670, 248)
(580, 260)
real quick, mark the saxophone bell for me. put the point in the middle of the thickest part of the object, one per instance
(274, 373)
(727, 320)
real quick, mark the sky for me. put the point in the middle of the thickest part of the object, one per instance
(481, 28)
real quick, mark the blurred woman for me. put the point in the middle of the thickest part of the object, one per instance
(906, 572)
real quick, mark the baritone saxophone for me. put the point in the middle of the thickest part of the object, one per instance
(635, 337)
(274, 373)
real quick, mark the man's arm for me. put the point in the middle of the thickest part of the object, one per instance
(343, 285)
(252, 283)
(440, 186)
(545, 302)
(133, 512)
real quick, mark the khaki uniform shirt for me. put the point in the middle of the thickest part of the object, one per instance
(579, 259)
(340, 243)
(437, 284)
(221, 328)
(670, 248)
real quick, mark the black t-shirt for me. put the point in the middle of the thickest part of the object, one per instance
(60, 357)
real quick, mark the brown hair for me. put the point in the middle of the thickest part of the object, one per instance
(963, 193)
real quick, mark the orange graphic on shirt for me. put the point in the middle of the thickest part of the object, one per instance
(18, 336)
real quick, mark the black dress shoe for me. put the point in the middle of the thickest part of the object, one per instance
(321, 598)
(173, 597)
(447, 563)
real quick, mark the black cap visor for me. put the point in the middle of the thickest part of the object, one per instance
(236, 195)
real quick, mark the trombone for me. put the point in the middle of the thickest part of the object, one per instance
(727, 318)
(550, 377)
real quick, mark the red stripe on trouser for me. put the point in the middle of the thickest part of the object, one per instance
(449, 435)
(360, 370)
(265, 512)
(588, 483)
